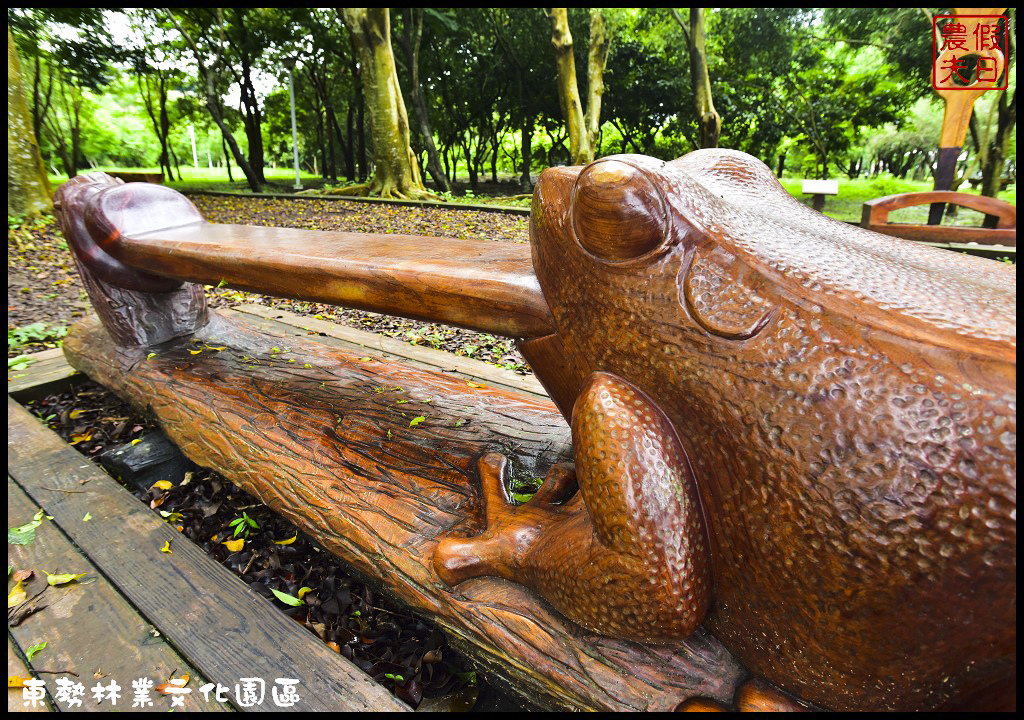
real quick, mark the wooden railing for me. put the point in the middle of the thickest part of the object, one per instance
(875, 216)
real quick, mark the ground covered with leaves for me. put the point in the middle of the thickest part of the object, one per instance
(395, 647)
(390, 644)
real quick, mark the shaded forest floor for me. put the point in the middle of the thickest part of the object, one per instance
(45, 294)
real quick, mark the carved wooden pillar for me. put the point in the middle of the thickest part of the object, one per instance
(136, 307)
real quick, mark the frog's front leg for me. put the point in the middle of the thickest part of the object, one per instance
(628, 555)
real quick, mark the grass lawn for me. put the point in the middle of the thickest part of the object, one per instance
(845, 206)
(854, 193)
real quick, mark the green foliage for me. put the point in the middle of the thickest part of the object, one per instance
(243, 525)
(39, 333)
(830, 90)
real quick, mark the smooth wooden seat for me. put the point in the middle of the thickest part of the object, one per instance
(875, 216)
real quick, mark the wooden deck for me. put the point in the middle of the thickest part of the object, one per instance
(139, 612)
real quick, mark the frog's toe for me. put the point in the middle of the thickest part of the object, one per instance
(559, 485)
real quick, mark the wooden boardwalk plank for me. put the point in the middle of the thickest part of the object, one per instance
(89, 627)
(473, 369)
(46, 367)
(16, 667)
(224, 628)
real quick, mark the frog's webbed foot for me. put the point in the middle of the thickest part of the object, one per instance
(512, 531)
(628, 554)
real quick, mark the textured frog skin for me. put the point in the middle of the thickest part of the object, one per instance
(627, 555)
(847, 401)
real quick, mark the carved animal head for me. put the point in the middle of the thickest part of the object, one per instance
(847, 401)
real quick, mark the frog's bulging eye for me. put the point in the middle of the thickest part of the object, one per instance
(618, 213)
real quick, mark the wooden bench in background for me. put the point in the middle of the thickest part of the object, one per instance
(875, 216)
(153, 178)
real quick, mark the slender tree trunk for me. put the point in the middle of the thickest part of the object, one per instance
(410, 43)
(992, 170)
(598, 59)
(28, 188)
(227, 158)
(568, 90)
(252, 121)
(708, 119)
(330, 165)
(360, 121)
(213, 107)
(525, 178)
(396, 172)
(208, 75)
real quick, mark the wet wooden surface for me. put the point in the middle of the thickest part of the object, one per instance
(93, 634)
(328, 440)
(17, 667)
(213, 619)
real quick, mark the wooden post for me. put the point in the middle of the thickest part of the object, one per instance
(959, 105)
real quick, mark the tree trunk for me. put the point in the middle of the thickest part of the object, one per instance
(227, 158)
(709, 120)
(396, 174)
(410, 42)
(568, 91)
(599, 42)
(252, 120)
(525, 178)
(212, 105)
(28, 189)
(992, 168)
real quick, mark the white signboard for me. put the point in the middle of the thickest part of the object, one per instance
(820, 187)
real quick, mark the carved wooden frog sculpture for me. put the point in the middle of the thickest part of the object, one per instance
(797, 432)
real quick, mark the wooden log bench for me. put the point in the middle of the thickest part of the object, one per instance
(761, 402)
(875, 217)
(155, 178)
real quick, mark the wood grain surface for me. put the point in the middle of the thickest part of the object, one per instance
(225, 629)
(329, 441)
(92, 632)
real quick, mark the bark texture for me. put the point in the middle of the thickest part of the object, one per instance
(324, 441)
(568, 91)
(709, 120)
(396, 172)
(28, 190)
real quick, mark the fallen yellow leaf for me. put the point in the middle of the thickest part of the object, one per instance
(82, 437)
(163, 484)
(289, 541)
(167, 547)
(17, 595)
(136, 441)
(303, 591)
(234, 545)
(76, 413)
(62, 579)
(473, 384)
(194, 352)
